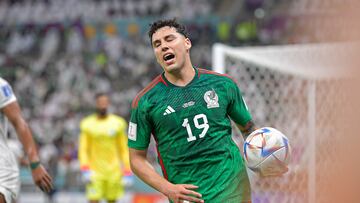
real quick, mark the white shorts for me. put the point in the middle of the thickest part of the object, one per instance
(9, 186)
(9, 196)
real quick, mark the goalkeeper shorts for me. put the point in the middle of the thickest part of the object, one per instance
(106, 189)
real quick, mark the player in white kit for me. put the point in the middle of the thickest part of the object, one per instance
(9, 172)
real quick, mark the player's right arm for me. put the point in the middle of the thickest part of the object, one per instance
(138, 141)
(11, 109)
(84, 142)
(144, 170)
(83, 149)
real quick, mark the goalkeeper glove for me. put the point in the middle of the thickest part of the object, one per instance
(128, 178)
(86, 174)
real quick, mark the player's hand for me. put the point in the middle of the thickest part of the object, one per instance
(42, 179)
(181, 193)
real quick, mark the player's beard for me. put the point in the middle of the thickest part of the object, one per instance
(101, 112)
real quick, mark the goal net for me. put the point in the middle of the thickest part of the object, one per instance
(300, 90)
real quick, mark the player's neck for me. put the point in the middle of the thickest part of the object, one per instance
(182, 77)
(102, 116)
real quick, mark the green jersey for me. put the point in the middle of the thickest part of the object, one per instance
(192, 129)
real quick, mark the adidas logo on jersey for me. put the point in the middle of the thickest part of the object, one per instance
(168, 110)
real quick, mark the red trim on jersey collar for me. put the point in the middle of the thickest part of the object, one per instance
(163, 80)
(152, 84)
(201, 70)
(167, 82)
(204, 71)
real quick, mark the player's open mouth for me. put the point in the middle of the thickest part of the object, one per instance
(168, 57)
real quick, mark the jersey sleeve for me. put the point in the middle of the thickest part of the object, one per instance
(139, 132)
(237, 109)
(84, 142)
(6, 94)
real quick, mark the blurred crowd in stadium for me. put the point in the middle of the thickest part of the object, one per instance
(58, 54)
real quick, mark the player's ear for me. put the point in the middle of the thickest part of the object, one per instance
(188, 44)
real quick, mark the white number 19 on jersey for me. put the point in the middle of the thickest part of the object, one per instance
(204, 125)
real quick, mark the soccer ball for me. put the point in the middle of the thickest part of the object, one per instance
(267, 152)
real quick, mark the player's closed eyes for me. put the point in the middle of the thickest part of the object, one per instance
(156, 43)
(168, 38)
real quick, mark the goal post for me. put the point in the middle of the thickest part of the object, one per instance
(298, 89)
(313, 61)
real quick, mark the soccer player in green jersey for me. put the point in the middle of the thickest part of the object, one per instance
(188, 112)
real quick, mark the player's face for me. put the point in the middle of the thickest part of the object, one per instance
(102, 104)
(171, 48)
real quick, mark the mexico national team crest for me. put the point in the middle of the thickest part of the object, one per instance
(212, 99)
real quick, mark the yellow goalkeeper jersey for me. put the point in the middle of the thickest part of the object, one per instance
(103, 146)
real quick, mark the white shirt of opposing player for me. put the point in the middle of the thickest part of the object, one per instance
(9, 171)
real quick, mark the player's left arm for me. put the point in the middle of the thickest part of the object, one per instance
(40, 176)
(247, 129)
(238, 110)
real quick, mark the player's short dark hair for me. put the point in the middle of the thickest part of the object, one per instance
(168, 22)
(100, 94)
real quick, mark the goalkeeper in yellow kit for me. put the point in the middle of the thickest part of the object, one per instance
(103, 153)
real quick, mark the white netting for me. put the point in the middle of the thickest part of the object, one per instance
(300, 90)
